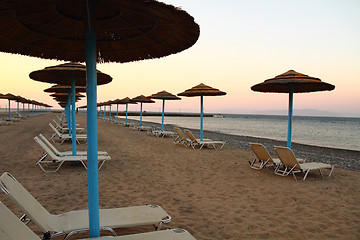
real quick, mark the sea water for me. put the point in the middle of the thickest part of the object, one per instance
(334, 132)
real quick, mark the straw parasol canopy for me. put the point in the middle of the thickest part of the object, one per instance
(64, 89)
(21, 99)
(10, 96)
(292, 82)
(66, 95)
(126, 100)
(63, 73)
(202, 90)
(142, 99)
(301, 84)
(164, 95)
(126, 30)
(2, 96)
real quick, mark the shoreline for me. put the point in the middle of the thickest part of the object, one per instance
(341, 158)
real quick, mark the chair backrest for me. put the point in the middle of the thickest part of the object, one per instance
(46, 148)
(27, 203)
(191, 136)
(287, 157)
(261, 153)
(180, 133)
(57, 124)
(55, 130)
(49, 144)
(11, 227)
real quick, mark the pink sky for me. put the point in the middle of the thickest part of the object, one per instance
(241, 43)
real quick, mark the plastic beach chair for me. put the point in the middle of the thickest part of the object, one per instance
(263, 158)
(73, 222)
(65, 129)
(170, 234)
(181, 138)
(12, 228)
(63, 137)
(66, 153)
(206, 142)
(292, 165)
(57, 161)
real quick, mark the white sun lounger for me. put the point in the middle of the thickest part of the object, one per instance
(66, 153)
(170, 234)
(66, 129)
(206, 142)
(160, 133)
(63, 137)
(12, 228)
(73, 222)
(57, 161)
(291, 165)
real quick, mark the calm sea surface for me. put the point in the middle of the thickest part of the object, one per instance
(332, 132)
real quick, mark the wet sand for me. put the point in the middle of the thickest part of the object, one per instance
(212, 194)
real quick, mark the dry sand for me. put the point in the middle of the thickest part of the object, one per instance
(212, 194)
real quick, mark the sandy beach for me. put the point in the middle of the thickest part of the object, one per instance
(212, 194)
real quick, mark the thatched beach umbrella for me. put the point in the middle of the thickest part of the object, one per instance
(292, 82)
(107, 103)
(125, 101)
(64, 89)
(10, 97)
(21, 100)
(142, 99)
(125, 31)
(164, 95)
(201, 90)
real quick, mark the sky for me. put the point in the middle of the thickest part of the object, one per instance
(241, 43)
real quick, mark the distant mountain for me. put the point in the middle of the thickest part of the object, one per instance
(301, 112)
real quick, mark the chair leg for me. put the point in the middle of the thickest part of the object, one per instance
(322, 176)
(306, 173)
(332, 169)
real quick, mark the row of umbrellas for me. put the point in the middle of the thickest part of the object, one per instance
(289, 82)
(199, 90)
(19, 99)
(69, 80)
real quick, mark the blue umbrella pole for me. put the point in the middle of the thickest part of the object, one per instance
(23, 110)
(18, 109)
(126, 114)
(73, 120)
(68, 113)
(140, 114)
(28, 109)
(110, 113)
(291, 93)
(201, 116)
(9, 110)
(92, 145)
(117, 113)
(162, 116)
